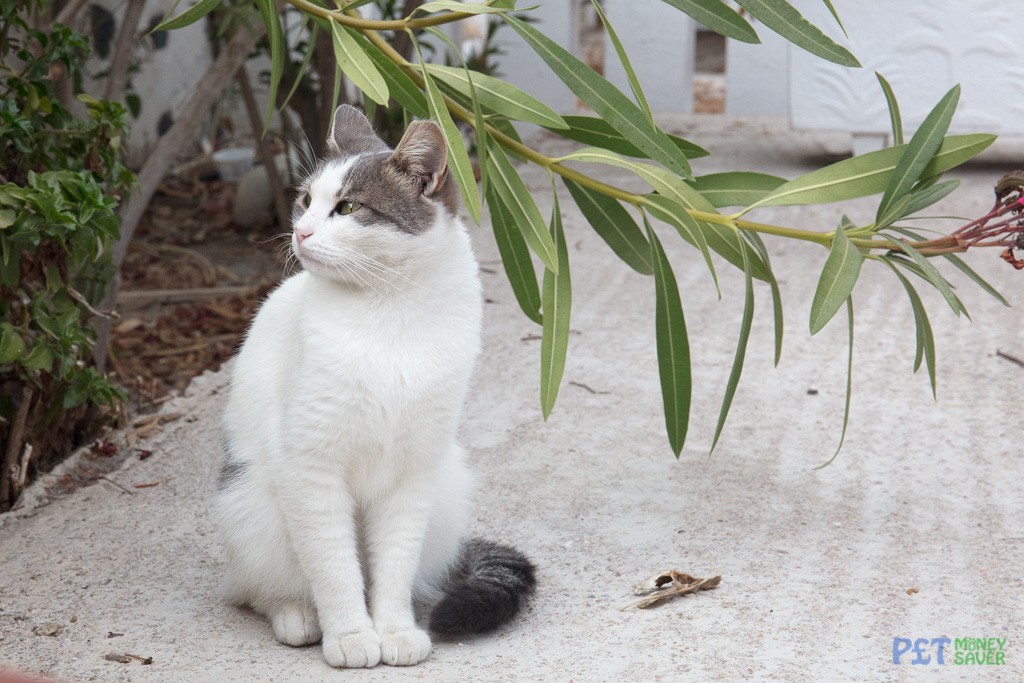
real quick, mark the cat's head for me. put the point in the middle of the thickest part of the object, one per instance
(367, 210)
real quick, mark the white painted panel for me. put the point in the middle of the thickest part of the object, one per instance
(923, 47)
(660, 42)
(757, 75)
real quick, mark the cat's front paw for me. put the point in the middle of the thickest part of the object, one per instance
(295, 625)
(403, 648)
(358, 650)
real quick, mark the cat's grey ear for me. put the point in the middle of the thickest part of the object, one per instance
(351, 133)
(423, 154)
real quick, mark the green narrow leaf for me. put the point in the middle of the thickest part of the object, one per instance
(515, 257)
(275, 36)
(781, 17)
(458, 158)
(849, 384)
(739, 188)
(591, 130)
(835, 15)
(189, 16)
(978, 280)
(869, 173)
(556, 298)
(925, 337)
(919, 151)
(894, 110)
(673, 346)
(960, 265)
(673, 213)
(500, 97)
(718, 17)
(479, 134)
(896, 210)
(614, 225)
(627, 66)
(604, 98)
(463, 8)
(932, 275)
(401, 87)
(359, 68)
(741, 346)
(505, 126)
(370, 108)
(479, 129)
(525, 214)
(337, 88)
(838, 277)
(310, 47)
(758, 244)
(926, 196)
(723, 239)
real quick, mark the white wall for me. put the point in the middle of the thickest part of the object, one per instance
(659, 40)
(923, 48)
(166, 74)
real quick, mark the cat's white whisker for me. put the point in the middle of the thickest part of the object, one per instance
(388, 272)
(280, 235)
(308, 151)
(344, 267)
(300, 168)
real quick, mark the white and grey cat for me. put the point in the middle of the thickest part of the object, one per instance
(344, 496)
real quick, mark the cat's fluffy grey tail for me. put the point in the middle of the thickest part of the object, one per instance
(487, 588)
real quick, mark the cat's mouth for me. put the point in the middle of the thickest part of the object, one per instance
(308, 256)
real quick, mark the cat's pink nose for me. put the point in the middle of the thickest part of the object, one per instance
(302, 233)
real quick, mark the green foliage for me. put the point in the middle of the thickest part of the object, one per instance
(673, 345)
(556, 298)
(838, 277)
(61, 181)
(624, 134)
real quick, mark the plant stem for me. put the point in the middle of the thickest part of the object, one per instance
(354, 20)
(369, 29)
(546, 162)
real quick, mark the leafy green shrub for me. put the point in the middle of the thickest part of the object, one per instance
(61, 182)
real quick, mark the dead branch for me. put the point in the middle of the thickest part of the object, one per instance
(123, 50)
(14, 440)
(143, 297)
(26, 455)
(69, 12)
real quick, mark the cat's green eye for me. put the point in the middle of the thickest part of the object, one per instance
(347, 206)
(306, 200)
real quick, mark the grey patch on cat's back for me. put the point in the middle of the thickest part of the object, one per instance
(230, 472)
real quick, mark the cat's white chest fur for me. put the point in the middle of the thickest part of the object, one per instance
(365, 380)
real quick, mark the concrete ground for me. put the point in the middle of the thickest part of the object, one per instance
(914, 531)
